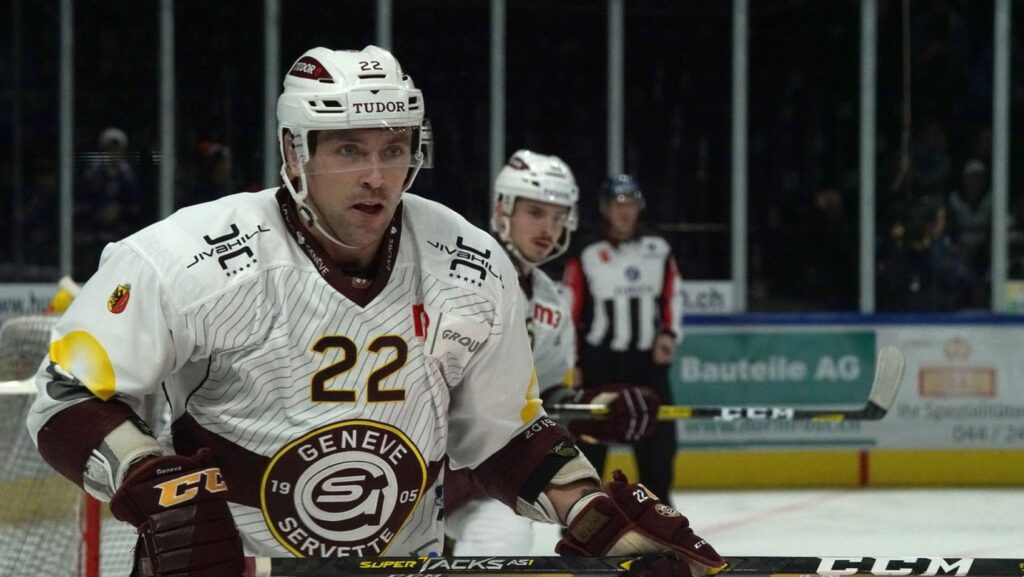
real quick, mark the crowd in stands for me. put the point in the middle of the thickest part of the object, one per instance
(933, 199)
(934, 205)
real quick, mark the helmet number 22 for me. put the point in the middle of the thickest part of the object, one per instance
(374, 393)
(370, 65)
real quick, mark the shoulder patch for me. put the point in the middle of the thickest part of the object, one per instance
(231, 248)
(118, 300)
(468, 263)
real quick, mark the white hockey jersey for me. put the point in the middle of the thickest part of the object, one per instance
(549, 319)
(330, 409)
(549, 323)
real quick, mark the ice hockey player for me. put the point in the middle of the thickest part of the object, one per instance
(322, 347)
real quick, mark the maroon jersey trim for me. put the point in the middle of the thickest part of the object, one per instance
(387, 254)
(505, 474)
(70, 436)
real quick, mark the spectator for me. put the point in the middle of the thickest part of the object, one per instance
(925, 271)
(971, 212)
(930, 165)
(829, 245)
(111, 198)
(214, 176)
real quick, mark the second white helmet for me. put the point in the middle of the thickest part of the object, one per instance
(541, 177)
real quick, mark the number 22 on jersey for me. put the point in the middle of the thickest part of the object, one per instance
(321, 392)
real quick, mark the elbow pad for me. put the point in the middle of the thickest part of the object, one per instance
(533, 503)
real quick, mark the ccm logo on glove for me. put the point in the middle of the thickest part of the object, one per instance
(185, 488)
(179, 505)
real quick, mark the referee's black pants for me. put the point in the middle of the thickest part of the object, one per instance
(654, 455)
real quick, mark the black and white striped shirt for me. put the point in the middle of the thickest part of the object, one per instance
(625, 293)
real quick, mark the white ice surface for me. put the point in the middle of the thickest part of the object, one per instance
(851, 522)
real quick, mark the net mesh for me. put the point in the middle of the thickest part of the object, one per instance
(24, 342)
(39, 521)
(41, 532)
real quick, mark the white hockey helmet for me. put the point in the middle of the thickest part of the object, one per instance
(346, 89)
(541, 177)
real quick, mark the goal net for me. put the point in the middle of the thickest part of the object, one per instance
(47, 525)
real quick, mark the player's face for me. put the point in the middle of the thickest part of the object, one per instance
(535, 227)
(355, 179)
(622, 216)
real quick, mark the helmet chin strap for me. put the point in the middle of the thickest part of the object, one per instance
(307, 210)
(528, 265)
(525, 265)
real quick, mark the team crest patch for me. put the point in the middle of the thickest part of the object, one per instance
(343, 490)
(119, 298)
(665, 510)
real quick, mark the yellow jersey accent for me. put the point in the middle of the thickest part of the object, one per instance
(80, 354)
(532, 406)
(569, 378)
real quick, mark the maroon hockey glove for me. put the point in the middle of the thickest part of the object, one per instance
(180, 508)
(632, 414)
(628, 520)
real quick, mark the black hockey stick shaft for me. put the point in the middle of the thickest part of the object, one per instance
(888, 376)
(869, 412)
(616, 566)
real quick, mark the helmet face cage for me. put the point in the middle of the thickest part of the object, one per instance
(622, 188)
(347, 89)
(538, 177)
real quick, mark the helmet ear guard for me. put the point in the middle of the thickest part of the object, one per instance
(540, 177)
(423, 155)
(291, 144)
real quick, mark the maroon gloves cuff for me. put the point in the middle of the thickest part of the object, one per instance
(628, 520)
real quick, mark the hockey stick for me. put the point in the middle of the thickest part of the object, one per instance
(616, 566)
(888, 375)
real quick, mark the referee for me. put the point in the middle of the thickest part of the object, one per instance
(627, 306)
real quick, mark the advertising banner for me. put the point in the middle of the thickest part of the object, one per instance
(963, 385)
(963, 388)
(707, 297)
(24, 298)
